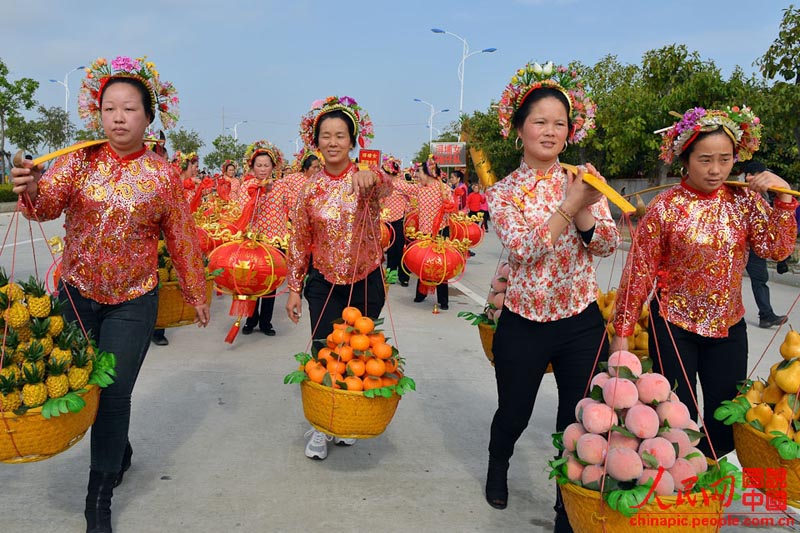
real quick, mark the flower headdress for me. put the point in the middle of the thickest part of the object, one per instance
(740, 124)
(534, 76)
(391, 165)
(263, 147)
(227, 162)
(163, 95)
(360, 118)
(183, 160)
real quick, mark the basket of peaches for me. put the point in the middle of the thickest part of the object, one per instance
(351, 386)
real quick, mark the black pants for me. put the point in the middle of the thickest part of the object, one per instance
(368, 295)
(721, 363)
(395, 252)
(262, 314)
(759, 275)
(442, 291)
(522, 349)
(124, 330)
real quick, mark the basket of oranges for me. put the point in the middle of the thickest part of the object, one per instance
(351, 386)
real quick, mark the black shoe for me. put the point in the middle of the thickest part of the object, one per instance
(444, 307)
(419, 298)
(268, 331)
(497, 483)
(159, 340)
(471, 253)
(403, 283)
(126, 464)
(98, 502)
(774, 321)
(247, 330)
(782, 267)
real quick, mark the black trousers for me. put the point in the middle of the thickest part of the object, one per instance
(368, 295)
(522, 349)
(720, 363)
(395, 252)
(262, 314)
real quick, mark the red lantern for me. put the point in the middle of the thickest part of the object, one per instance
(387, 235)
(250, 269)
(411, 223)
(464, 228)
(206, 242)
(434, 261)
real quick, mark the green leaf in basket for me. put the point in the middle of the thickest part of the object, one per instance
(370, 393)
(622, 431)
(596, 393)
(378, 322)
(298, 376)
(649, 460)
(787, 449)
(302, 357)
(326, 380)
(404, 385)
(46, 407)
(647, 365)
(386, 392)
(694, 435)
(757, 424)
(74, 402)
(625, 372)
(730, 412)
(62, 406)
(558, 441)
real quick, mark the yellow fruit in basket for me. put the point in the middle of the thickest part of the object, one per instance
(79, 373)
(645, 314)
(777, 423)
(17, 315)
(9, 394)
(758, 385)
(37, 298)
(753, 396)
(611, 330)
(772, 394)
(788, 377)
(796, 437)
(784, 407)
(761, 412)
(642, 341)
(57, 381)
(790, 347)
(34, 392)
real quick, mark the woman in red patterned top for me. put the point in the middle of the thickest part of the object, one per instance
(266, 216)
(554, 226)
(394, 208)
(293, 183)
(187, 165)
(336, 234)
(692, 247)
(118, 197)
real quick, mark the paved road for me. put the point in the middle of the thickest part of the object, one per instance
(218, 439)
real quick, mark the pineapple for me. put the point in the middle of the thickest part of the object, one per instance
(79, 373)
(163, 273)
(10, 369)
(56, 317)
(34, 392)
(12, 290)
(37, 298)
(162, 247)
(173, 275)
(40, 330)
(62, 351)
(34, 357)
(9, 394)
(57, 381)
(24, 333)
(16, 314)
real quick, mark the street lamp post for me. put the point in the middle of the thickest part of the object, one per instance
(66, 86)
(430, 118)
(465, 54)
(235, 129)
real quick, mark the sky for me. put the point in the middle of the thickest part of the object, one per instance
(265, 61)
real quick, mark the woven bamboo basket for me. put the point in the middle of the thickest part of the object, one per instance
(346, 414)
(587, 516)
(172, 310)
(31, 437)
(754, 451)
(487, 338)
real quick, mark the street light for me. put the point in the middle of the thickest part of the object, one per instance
(430, 118)
(465, 53)
(235, 130)
(66, 87)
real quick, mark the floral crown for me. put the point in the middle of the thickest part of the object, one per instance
(183, 160)
(163, 95)
(534, 76)
(263, 147)
(391, 164)
(740, 124)
(227, 162)
(361, 121)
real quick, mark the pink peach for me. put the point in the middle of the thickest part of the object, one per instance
(618, 440)
(580, 406)
(679, 437)
(697, 460)
(624, 358)
(652, 387)
(666, 485)
(642, 421)
(591, 474)
(676, 414)
(683, 474)
(620, 393)
(598, 418)
(661, 449)
(591, 448)
(623, 464)
(571, 434)
(599, 380)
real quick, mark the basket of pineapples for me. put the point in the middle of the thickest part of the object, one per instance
(351, 387)
(50, 375)
(172, 310)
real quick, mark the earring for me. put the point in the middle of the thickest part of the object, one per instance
(565, 147)
(683, 172)
(518, 143)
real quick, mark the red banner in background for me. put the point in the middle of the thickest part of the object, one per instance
(450, 154)
(369, 158)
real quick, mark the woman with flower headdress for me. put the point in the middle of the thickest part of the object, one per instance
(228, 183)
(337, 217)
(553, 225)
(117, 197)
(692, 247)
(187, 165)
(309, 165)
(265, 216)
(394, 208)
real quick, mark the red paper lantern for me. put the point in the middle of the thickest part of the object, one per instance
(463, 228)
(434, 261)
(411, 223)
(250, 269)
(206, 242)
(387, 235)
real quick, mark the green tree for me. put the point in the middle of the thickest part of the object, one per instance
(89, 135)
(54, 128)
(225, 147)
(14, 96)
(185, 141)
(23, 134)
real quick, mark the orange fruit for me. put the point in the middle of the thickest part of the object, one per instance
(377, 337)
(345, 353)
(326, 359)
(351, 314)
(356, 367)
(364, 325)
(382, 350)
(372, 382)
(354, 383)
(340, 336)
(340, 367)
(388, 380)
(340, 325)
(311, 365)
(324, 353)
(391, 365)
(335, 376)
(317, 374)
(359, 342)
(375, 367)
(330, 341)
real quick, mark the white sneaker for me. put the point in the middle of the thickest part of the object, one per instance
(343, 442)
(317, 446)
